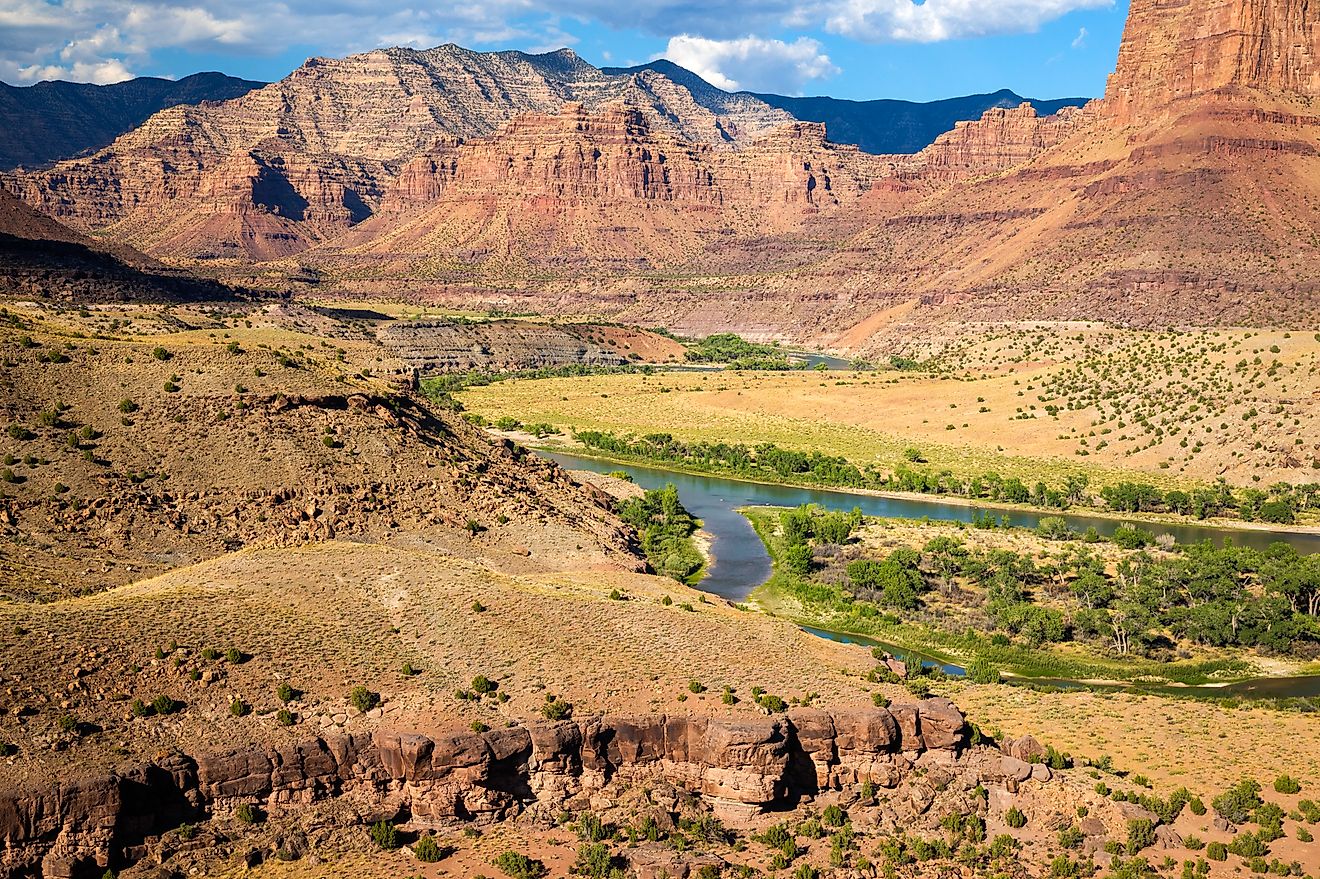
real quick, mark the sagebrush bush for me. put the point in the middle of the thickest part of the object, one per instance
(555, 708)
(363, 699)
(516, 865)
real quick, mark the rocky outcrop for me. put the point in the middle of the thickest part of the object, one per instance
(443, 346)
(78, 828)
(1002, 139)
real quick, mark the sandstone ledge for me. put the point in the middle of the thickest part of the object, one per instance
(78, 828)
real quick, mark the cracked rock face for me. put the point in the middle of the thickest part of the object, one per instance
(75, 828)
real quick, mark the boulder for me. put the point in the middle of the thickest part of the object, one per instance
(1168, 838)
(943, 726)
(1015, 769)
(1025, 748)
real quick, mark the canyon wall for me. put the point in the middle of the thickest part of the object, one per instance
(606, 189)
(268, 174)
(1172, 51)
(80, 827)
(1002, 139)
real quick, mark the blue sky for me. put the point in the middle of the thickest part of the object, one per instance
(855, 49)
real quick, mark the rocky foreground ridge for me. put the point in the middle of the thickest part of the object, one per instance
(739, 767)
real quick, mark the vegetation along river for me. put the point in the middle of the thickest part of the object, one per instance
(741, 563)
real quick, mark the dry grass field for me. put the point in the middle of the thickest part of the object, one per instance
(1175, 409)
(327, 617)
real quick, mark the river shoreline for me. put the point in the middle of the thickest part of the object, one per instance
(577, 450)
(739, 569)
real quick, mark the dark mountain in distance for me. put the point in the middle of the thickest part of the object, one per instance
(889, 126)
(880, 126)
(49, 121)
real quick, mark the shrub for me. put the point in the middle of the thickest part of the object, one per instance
(164, 705)
(161, 353)
(919, 687)
(1014, 817)
(595, 861)
(210, 654)
(696, 686)
(556, 709)
(1286, 784)
(1238, 802)
(1141, 835)
(483, 685)
(385, 835)
(284, 717)
(982, 671)
(285, 693)
(239, 708)
(1216, 851)
(363, 699)
(248, 814)
(1248, 845)
(592, 829)
(233, 656)
(67, 723)
(127, 406)
(138, 708)
(834, 816)
(407, 670)
(1310, 811)
(516, 865)
(478, 607)
(427, 850)
(1071, 837)
(775, 836)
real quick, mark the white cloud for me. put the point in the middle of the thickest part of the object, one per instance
(1079, 41)
(935, 20)
(106, 38)
(751, 62)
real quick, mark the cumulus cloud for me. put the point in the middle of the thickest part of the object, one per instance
(102, 39)
(934, 20)
(751, 62)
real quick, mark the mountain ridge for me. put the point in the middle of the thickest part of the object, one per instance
(880, 126)
(63, 119)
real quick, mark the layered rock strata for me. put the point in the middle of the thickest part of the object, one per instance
(1173, 51)
(297, 162)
